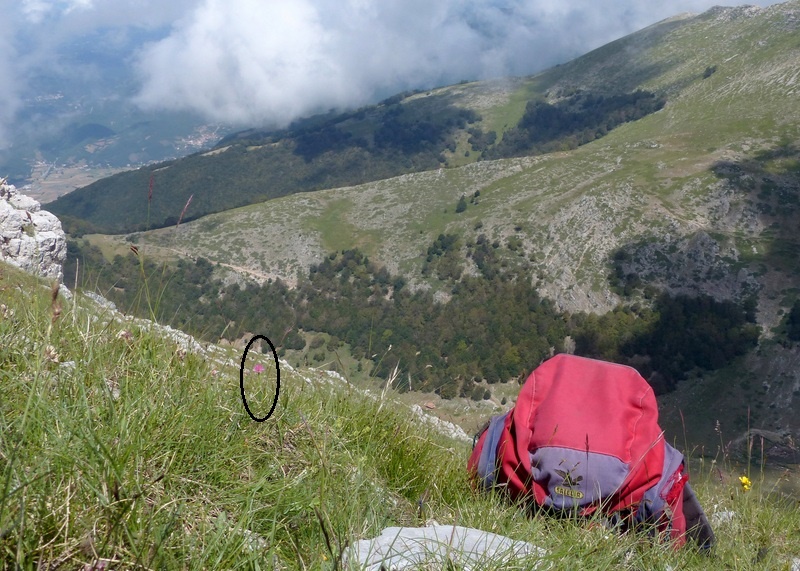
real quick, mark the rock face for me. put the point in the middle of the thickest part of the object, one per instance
(30, 238)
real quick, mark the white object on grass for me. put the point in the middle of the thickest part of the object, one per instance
(405, 548)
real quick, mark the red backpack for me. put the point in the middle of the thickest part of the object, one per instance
(583, 437)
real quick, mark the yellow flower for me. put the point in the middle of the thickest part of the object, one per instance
(746, 483)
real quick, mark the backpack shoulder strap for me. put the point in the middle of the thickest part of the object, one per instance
(483, 461)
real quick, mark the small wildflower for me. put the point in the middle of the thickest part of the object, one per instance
(98, 565)
(113, 387)
(55, 306)
(259, 368)
(746, 483)
(126, 335)
(50, 354)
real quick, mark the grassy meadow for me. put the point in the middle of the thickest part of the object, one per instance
(125, 447)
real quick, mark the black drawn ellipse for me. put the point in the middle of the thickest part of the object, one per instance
(277, 371)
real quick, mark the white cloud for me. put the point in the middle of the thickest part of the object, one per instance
(270, 61)
(239, 68)
(9, 88)
(38, 10)
(251, 61)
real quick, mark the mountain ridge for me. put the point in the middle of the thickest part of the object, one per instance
(652, 167)
(700, 197)
(413, 131)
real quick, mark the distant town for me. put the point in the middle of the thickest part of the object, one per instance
(51, 179)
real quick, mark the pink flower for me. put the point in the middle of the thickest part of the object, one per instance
(259, 368)
(185, 208)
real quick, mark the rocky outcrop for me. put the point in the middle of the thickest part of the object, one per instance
(30, 238)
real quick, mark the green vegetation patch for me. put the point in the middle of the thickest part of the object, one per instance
(337, 232)
(494, 326)
(120, 447)
(325, 151)
(575, 120)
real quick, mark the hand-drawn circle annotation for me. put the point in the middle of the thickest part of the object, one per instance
(278, 382)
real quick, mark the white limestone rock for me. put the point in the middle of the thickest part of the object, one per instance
(445, 427)
(30, 238)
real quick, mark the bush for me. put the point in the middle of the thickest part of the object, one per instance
(476, 393)
(793, 322)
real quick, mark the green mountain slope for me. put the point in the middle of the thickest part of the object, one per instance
(410, 132)
(402, 135)
(701, 196)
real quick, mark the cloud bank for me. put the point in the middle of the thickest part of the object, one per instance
(9, 95)
(250, 62)
(9, 87)
(256, 61)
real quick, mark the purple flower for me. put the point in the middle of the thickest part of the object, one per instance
(259, 368)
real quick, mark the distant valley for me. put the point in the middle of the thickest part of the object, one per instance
(66, 137)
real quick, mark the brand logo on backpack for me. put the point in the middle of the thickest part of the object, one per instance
(569, 485)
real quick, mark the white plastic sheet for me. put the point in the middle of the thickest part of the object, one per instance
(406, 548)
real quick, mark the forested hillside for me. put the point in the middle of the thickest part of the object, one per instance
(410, 132)
(493, 326)
(700, 196)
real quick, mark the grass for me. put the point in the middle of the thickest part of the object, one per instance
(121, 449)
(507, 115)
(338, 233)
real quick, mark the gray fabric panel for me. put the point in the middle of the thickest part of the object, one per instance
(653, 500)
(487, 463)
(697, 525)
(575, 478)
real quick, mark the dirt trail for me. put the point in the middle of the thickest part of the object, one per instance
(240, 269)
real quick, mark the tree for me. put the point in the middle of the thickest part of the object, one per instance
(793, 322)
(462, 204)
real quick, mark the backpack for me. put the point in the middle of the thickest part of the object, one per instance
(584, 436)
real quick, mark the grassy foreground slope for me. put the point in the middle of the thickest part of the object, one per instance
(122, 446)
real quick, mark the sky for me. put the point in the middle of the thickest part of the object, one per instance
(267, 62)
